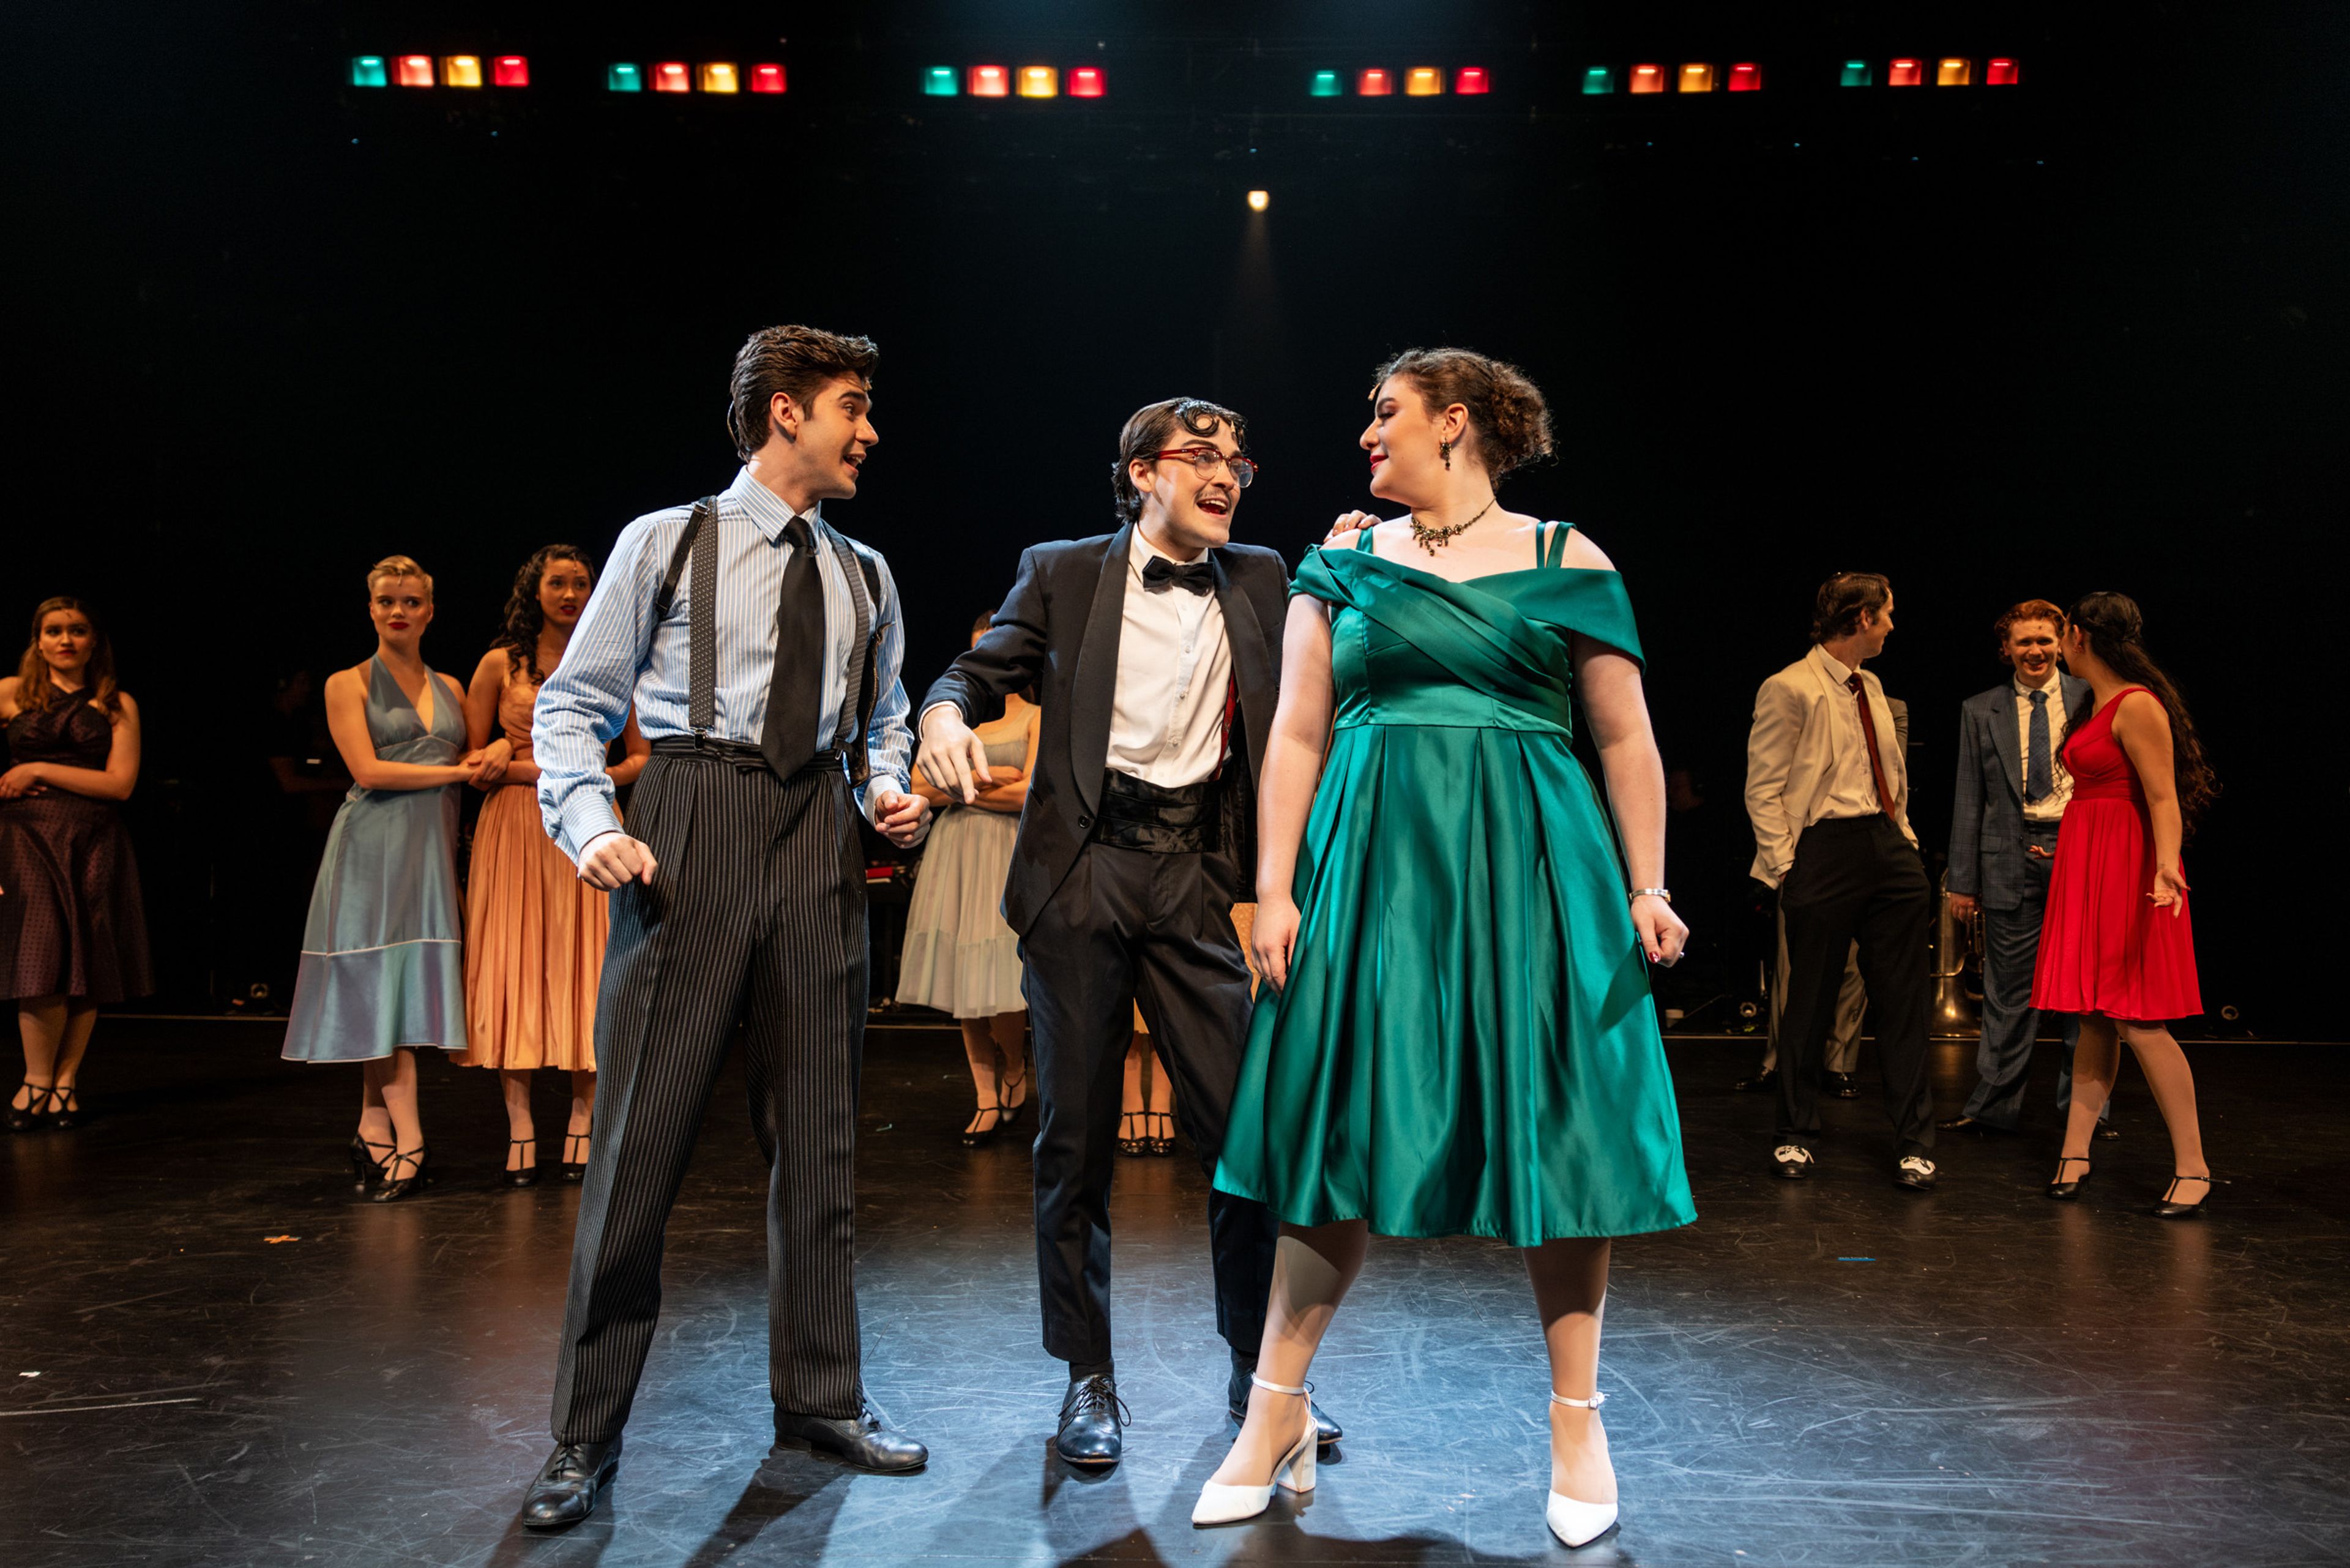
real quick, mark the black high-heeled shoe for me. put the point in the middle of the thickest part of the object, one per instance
(980, 1137)
(34, 1111)
(396, 1186)
(1161, 1143)
(523, 1175)
(365, 1167)
(65, 1108)
(1134, 1144)
(573, 1171)
(1004, 1095)
(2061, 1189)
(2168, 1209)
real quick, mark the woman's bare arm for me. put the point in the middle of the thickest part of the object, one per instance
(2142, 729)
(1294, 752)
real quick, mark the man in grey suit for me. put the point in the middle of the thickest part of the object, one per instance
(2009, 801)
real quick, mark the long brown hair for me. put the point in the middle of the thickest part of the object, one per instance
(525, 617)
(2116, 628)
(35, 690)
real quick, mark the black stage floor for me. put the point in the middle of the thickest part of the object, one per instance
(210, 1353)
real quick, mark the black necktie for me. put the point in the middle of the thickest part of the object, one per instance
(788, 737)
(2039, 782)
(1159, 574)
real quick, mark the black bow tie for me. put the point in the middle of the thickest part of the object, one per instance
(1159, 574)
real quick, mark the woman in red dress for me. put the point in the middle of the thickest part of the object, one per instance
(2118, 946)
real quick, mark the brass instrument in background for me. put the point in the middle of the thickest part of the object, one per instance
(1957, 1012)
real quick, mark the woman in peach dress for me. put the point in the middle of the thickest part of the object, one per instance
(533, 933)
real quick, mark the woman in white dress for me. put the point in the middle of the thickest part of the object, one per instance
(960, 957)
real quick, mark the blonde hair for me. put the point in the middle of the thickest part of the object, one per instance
(400, 567)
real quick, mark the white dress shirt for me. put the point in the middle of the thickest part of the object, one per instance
(1852, 788)
(1174, 663)
(2050, 807)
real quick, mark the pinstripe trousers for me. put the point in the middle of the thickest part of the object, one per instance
(757, 915)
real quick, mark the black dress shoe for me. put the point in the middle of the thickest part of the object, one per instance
(861, 1439)
(1325, 1430)
(2061, 1189)
(1974, 1124)
(1762, 1083)
(568, 1484)
(1914, 1171)
(65, 1110)
(1792, 1161)
(1842, 1085)
(2170, 1209)
(1092, 1415)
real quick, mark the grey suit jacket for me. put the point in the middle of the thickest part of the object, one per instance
(1987, 831)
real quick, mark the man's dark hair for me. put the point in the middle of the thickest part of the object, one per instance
(794, 360)
(1842, 601)
(1152, 429)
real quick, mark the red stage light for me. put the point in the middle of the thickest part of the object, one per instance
(1906, 73)
(512, 70)
(1647, 78)
(1374, 84)
(671, 75)
(767, 79)
(990, 81)
(1085, 82)
(416, 70)
(1746, 78)
(1469, 81)
(2001, 73)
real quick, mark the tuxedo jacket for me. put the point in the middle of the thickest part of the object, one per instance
(1059, 632)
(1988, 835)
(1794, 749)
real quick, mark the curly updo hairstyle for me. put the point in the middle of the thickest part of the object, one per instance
(1505, 408)
(2115, 630)
(525, 617)
(1152, 429)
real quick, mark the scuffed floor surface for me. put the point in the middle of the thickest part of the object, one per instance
(1831, 1373)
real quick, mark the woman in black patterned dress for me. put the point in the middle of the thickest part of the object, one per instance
(73, 937)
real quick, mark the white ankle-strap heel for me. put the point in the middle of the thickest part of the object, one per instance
(1294, 1472)
(1577, 1523)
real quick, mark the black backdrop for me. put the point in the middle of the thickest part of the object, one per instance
(2086, 332)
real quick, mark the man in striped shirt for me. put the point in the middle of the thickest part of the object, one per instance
(761, 650)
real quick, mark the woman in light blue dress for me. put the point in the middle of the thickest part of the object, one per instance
(383, 968)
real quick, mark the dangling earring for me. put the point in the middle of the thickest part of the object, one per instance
(1444, 450)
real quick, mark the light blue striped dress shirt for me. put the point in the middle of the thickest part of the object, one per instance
(619, 655)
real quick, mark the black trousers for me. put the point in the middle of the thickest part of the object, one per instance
(1857, 879)
(1158, 929)
(756, 916)
(2010, 1024)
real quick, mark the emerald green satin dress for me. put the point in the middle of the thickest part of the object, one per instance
(1466, 1044)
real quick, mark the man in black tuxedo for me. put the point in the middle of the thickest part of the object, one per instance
(1156, 655)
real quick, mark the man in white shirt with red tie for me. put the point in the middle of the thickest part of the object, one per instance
(1827, 791)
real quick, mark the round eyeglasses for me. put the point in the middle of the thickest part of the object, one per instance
(1206, 460)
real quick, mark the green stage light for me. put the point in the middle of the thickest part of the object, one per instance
(624, 78)
(366, 70)
(1599, 79)
(1325, 85)
(939, 81)
(1857, 74)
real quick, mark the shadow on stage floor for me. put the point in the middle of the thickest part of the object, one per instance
(211, 1352)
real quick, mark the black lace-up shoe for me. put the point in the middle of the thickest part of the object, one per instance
(568, 1486)
(1092, 1418)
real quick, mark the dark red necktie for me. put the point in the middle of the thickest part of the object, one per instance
(1875, 764)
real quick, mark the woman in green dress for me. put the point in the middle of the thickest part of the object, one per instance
(1458, 1037)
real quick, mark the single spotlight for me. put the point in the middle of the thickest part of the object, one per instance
(1259, 200)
